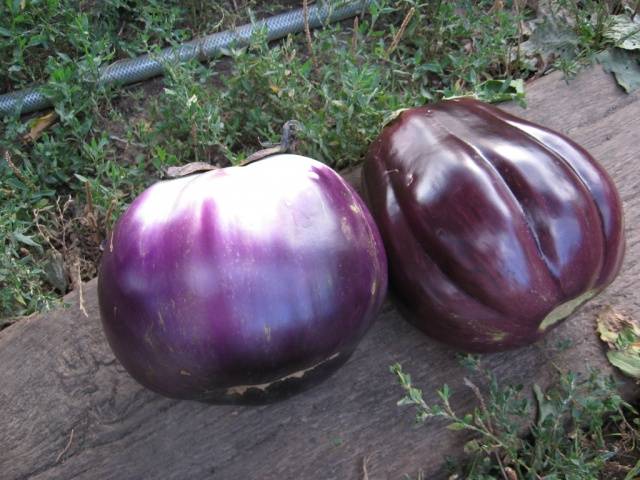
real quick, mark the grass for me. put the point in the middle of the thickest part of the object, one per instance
(62, 191)
(583, 429)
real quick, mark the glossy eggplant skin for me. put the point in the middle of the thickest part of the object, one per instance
(495, 228)
(241, 285)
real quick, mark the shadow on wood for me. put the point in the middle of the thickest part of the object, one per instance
(70, 411)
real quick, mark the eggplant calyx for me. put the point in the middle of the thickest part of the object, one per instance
(288, 144)
(393, 115)
(289, 141)
(188, 169)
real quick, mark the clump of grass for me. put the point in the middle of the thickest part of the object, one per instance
(358, 78)
(583, 428)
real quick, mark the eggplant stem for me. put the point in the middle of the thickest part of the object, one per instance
(287, 143)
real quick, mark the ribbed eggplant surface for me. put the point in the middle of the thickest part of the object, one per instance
(495, 228)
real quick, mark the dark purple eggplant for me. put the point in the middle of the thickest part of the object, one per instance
(495, 228)
(245, 284)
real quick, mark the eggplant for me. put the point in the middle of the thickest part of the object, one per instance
(495, 228)
(241, 285)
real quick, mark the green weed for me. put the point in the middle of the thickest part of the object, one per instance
(583, 428)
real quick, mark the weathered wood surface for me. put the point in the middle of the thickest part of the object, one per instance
(69, 411)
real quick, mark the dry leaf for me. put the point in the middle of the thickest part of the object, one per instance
(622, 335)
(498, 6)
(611, 324)
(624, 65)
(551, 38)
(39, 126)
(624, 32)
(510, 473)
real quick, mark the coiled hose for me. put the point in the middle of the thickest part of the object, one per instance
(144, 67)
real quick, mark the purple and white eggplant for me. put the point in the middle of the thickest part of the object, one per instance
(243, 284)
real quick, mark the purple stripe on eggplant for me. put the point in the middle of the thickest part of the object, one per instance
(243, 283)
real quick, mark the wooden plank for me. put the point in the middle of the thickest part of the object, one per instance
(70, 411)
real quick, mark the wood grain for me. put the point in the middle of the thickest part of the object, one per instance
(69, 411)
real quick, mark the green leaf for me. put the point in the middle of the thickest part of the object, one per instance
(415, 394)
(624, 65)
(456, 426)
(495, 91)
(545, 408)
(626, 360)
(82, 178)
(624, 32)
(436, 410)
(444, 392)
(551, 39)
(632, 474)
(627, 338)
(306, 68)
(471, 446)
(26, 239)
